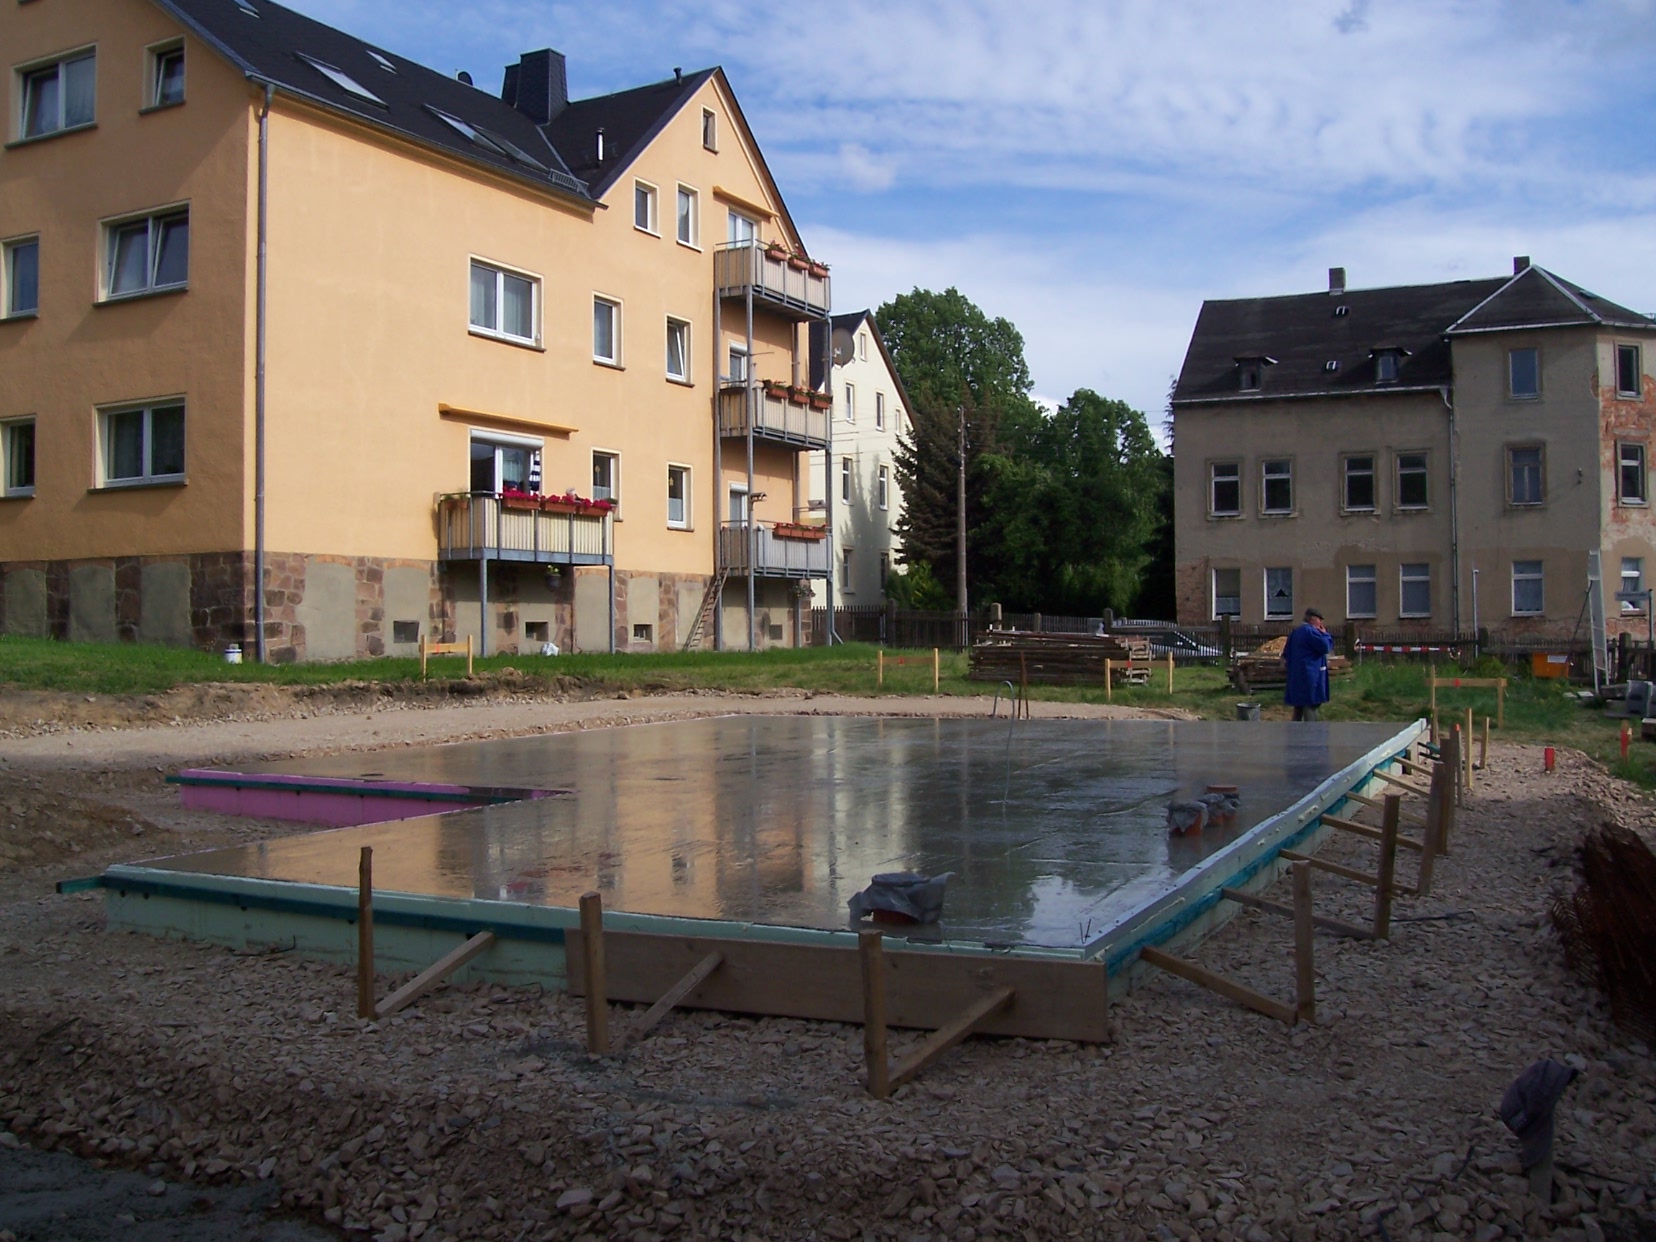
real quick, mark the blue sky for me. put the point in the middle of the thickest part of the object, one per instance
(1093, 169)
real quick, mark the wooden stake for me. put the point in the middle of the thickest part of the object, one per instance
(1109, 681)
(1397, 782)
(879, 668)
(1483, 750)
(592, 950)
(948, 1036)
(1468, 735)
(1379, 805)
(1170, 672)
(434, 974)
(872, 950)
(1215, 982)
(1338, 926)
(672, 997)
(937, 671)
(365, 933)
(1434, 830)
(1305, 971)
(1364, 830)
(1388, 868)
(1332, 868)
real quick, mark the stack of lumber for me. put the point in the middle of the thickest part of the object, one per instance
(1264, 670)
(1052, 659)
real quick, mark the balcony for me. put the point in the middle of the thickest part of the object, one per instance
(756, 544)
(776, 416)
(473, 526)
(779, 281)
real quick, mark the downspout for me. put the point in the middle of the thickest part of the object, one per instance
(1454, 513)
(259, 384)
(828, 472)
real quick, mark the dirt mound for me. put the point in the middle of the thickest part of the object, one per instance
(40, 825)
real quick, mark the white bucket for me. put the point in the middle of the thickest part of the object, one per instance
(232, 654)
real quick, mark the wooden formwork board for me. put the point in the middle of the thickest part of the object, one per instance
(1053, 999)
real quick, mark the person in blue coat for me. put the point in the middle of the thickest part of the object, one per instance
(1306, 655)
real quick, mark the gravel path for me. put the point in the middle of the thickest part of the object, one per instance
(476, 1114)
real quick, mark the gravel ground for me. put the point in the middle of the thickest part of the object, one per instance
(476, 1114)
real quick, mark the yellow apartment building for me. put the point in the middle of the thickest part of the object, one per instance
(306, 347)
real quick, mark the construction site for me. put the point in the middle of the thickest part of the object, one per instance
(558, 967)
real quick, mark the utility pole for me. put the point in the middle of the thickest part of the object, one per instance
(960, 511)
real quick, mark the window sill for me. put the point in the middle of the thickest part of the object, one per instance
(655, 233)
(56, 133)
(682, 383)
(128, 485)
(34, 314)
(1225, 517)
(1279, 513)
(689, 245)
(139, 295)
(519, 342)
(609, 364)
(1632, 504)
(680, 526)
(160, 107)
(1536, 507)
(1406, 510)
(1371, 511)
(22, 493)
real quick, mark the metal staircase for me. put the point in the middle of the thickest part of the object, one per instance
(710, 601)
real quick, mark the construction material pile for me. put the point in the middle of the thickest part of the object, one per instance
(1263, 668)
(1609, 924)
(1052, 659)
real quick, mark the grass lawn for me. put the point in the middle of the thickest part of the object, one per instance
(1536, 710)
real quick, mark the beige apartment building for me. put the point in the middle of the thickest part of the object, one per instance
(307, 347)
(1424, 457)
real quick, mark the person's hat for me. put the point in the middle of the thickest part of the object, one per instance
(1312, 612)
(1527, 1107)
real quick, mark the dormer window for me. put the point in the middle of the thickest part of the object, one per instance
(1250, 372)
(1387, 360)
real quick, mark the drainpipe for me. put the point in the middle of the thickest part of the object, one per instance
(828, 472)
(259, 386)
(752, 532)
(1454, 512)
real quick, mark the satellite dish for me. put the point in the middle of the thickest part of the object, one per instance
(845, 346)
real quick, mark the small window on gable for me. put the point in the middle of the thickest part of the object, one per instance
(645, 208)
(1629, 376)
(1524, 373)
(710, 129)
(166, 75)
(1632, 478)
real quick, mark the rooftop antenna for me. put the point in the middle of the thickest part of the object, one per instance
(678, 73)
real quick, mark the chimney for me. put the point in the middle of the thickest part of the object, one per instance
(1520, 262)
(1336, 280)
(537, 85)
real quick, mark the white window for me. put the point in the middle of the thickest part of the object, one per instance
(1414, 590)
(1277, 493)
(503, 303)
(1629, 372)
(645, 207)
(845, 570)
(689, 217)
(59, 96)
(845, 479)
(710, 129)
(862, 347)
(741, 228)
(882, 487)
(1632, 583)
(1528, 589)
(606, 330)
(1362, 598)
(504, 463)
(143, 444)
(1359, 484)
(738, 502)
(20, 276)
(678, 497)
(738, 367)
(1411, 480)
(342, 80)
(166, 75)
(17, 457)
(678, 350)
(1525, 481)
(1225, 489)
(1524, 373)
(1632, 478)
(606, 477)
(879, 411)
(1227, 593)
(850, 403)
(1279, 593)
(147, 254)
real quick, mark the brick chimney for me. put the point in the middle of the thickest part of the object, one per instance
(1520, 262)
(537, 85)
(1336, 280)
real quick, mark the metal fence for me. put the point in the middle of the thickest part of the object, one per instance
(896, 627)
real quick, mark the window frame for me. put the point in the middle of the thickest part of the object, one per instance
(1511, 385)
(879, 411)
(1346, 476)
(1355, 578)
(1213, 591)
(1641, 464)
(1288, 612)
(1386, 363)
(24, 73)
(847, 582)
(1628, 607)
(1266, 476)
(710, 130)
(1400, 505)
(613, 495)
(9, 249)
(156, 56)
(850, 402)
(498, 442)
(106, 480)
(1541, 475)
(501, 272)
(755, 230)
(687, 522)
(1250, 376)
(8, 429)
(733, 351)
(614, 306)
(1623, 349)
(690, 193)
(882, 488)
(847, 480)
(1538, 576)
(1213, 481)
(110, 231)
(675, 323)
(1405, 580)
(650, 195)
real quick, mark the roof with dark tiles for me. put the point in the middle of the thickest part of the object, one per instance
(630, 119)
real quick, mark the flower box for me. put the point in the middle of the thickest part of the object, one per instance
(799, 396)
(775, 253)
(798, 530)
(822, 401)
(776, 391)
(569, 502)
(819, 270)
(799, 263)
(520, 500)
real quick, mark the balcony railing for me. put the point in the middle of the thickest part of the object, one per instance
(756, 544)
(781, 282)
(774, 417)
(474, 526)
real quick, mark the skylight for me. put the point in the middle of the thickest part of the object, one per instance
(382, 62)
(246, 6)
(489, 140)
(342, 79)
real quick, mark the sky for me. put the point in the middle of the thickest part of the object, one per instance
(1094, 169)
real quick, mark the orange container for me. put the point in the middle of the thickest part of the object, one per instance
(1549, 664)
